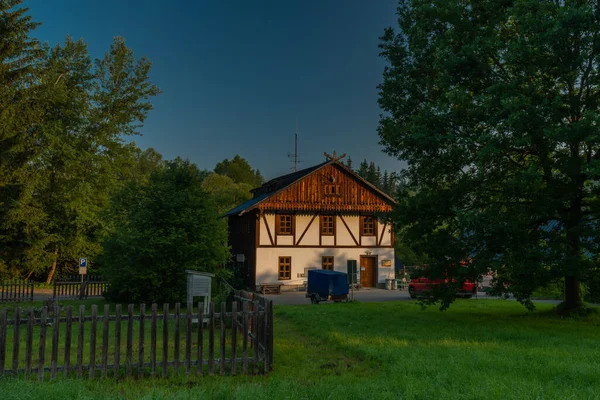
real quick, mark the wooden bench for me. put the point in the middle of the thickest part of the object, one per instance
(270, 288)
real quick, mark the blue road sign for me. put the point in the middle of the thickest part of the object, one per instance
(83, 262)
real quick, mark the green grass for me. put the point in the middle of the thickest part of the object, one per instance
(478, 349)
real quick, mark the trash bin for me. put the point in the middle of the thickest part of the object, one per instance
(394, 284)
(388, 284)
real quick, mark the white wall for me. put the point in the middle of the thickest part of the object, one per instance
(267, 261)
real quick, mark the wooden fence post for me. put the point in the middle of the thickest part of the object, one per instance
(80, 341)
(222, 339)
(233, 337)
(42, 353)
(188, 337)
(165, 340)
(68, 334)
(105, 329)
(153, 340)
(142, 338)
(200, 368)
(129, 348)
(176, 341)
(92, 367)
(16, 340)
(211, 338)
(29, 343)
(117, 361)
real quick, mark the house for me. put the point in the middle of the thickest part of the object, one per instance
(320, 217)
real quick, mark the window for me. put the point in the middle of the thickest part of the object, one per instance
(327, 262)
(327, 225)
(332, 190)
(368, 226)
(284, 224)
(285, 268)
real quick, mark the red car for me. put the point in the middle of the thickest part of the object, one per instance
(420, 286)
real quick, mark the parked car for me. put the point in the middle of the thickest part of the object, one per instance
(419, 286)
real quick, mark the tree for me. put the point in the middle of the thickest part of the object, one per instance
(64, 142)
(363, 169)
(225, 192)
(349, 162)
(171, 225)
(240, 171)
(494, 105)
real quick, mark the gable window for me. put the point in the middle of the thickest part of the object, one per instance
(368, 226)
(327, 225)
(284, 224)
(285, 268)
(332, 190)
(327, 262)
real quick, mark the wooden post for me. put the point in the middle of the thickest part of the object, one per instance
(3, 332)
(165, 340)
(142, 339)
(188, 337)
(29, 344)
(153, 340)
(245, 336)
(117, 361)
(129, 349)
(105, 330)
(55, 337)
(16, 340)
(255, 334)
(233, 337)
(211, 338)
(222, 339)
(92, 367)
(68, 334)
(176, 342)
(80, 341)
(42, 353)
(200, 365)
(265, 336)
(271, 335)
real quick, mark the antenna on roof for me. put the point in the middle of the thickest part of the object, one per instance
(294, 156)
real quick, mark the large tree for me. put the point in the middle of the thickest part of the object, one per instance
(240, 171)
(63, 140)
(494, 105)
(163, 227)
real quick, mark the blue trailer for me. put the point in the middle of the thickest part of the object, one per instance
(326, 285)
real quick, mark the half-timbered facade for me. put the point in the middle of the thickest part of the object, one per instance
(320, 217)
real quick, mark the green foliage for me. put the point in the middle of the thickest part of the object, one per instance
(226, 193)
(494, 106)
(170, 225)
(62, 154)
(240, 171)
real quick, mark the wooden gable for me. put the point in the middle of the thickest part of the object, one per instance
(330, 189)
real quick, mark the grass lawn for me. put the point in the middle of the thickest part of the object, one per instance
(488, 349)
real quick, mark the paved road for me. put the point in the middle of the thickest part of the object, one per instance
(369, 295)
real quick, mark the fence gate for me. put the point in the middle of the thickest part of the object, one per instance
(73, 287)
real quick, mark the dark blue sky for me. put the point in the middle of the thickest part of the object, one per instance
(235, 74)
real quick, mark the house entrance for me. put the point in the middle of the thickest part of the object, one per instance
(368, 271)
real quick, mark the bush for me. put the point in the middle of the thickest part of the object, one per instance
(161, 228)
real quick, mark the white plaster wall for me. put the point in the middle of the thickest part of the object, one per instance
(267, 260)
(369, 241)
(285, 240)
(264, 236)
(311, 238)
(387, 235)
(343, 236)
(327, 240)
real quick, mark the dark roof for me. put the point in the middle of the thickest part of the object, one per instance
(277, 184)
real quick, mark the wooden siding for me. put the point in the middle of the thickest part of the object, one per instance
(312, 194)
(243, 239)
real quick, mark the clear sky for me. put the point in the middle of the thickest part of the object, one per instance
(236, 74)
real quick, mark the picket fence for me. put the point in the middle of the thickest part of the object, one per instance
(185, 341)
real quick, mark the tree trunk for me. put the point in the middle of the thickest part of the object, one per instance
(573, 298)
(53, 269)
